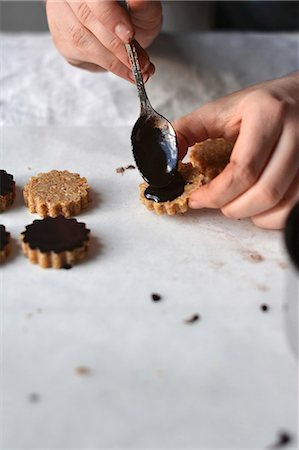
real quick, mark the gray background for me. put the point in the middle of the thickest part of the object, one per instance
(30, 15)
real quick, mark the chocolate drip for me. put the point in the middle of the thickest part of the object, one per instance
(168, 193)
(4, 237)
(6, 182)
(56, 234)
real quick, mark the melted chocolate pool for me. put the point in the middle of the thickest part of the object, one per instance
(168, 193)
(6, 182)
(4, 237)
(56, 234)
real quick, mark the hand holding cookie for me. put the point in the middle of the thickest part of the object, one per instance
(261, 180)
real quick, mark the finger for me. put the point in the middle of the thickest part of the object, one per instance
(274, 182)
(112, 43)
(85, 65)
(113, 17)
(78, 44)
(218, 118)
(275, 218)
(260, 129)
(147, 20)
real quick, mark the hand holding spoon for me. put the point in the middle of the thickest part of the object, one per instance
(154, 142)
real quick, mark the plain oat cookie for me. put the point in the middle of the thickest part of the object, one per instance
(56, 193)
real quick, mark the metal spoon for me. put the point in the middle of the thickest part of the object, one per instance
(154, 140)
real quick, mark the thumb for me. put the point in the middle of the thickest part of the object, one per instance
(214, 119)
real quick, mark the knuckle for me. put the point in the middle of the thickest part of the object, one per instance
(115, 45)
(79, 36)
(269, 195)
(83, 12)
(107, 16)
(244, 175)
(113, 65)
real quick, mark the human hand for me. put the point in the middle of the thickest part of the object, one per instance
(261, 180)
(91, 34)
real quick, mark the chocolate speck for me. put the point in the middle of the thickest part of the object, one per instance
(283, 440)
(67, 266)
(120, 170)
(256, 257)
(192, 319)
(33, 397)
(82, 370)
(156, 297)
(264, 307)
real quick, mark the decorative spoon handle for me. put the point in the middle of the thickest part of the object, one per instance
(133, 57)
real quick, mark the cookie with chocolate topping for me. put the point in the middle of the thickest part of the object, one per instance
(7, 190)
(174, 198)
(55, 242)
(4, 243)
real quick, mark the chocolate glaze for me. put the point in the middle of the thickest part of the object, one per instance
(168, 193)
(4, 237)
(56, 234)
(155, 152)
(6, 182)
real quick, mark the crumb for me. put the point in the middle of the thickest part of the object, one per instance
(67, 266)
(39, 310)
(156, 297)
(283, 264)
(283, 439)
(262, 287)
(33, 397)
(122, 169)
(256, 257)
(264, 307)
(192, 319)
(29, 168)
(82, 370)
(29, 315)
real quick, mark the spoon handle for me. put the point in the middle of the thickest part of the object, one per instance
(133, 57)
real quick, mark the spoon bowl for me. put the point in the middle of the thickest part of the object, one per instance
(154, 140)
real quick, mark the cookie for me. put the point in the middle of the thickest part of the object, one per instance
(193, 179)
(55, 242)
(56, 193)
(4, 243)
(7, 190)
(211, 156)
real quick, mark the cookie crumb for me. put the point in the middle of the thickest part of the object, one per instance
(256, 257)
(192, 319)
(156, 297)
(120, 170)
(67, 266)
(130, 167)
(34, 397)
(82, 370)
(264, 307)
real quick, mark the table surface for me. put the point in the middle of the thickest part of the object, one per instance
(228, 380)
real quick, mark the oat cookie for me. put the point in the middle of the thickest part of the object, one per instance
(55, 242)
(56, 193)
(4, 243)
(211, 156)
(7, 190)
(194, 179)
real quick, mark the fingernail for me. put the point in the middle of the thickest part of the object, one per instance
(145, 77)
(144, 63)
(152, 70)
(124, 33)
